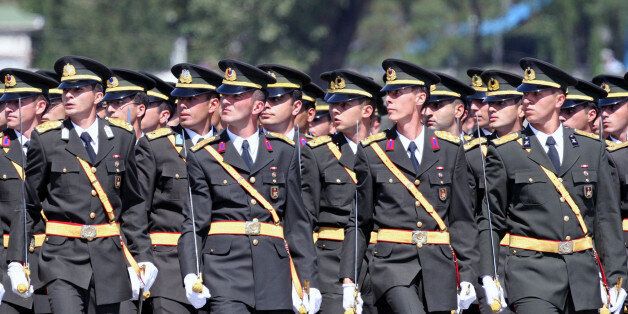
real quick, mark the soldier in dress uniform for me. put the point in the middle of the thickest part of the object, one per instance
(329, 181)
(311, 94)
(580, 108)
(550, 188)
(321, 123)
(25, 96)
(253, 232)
(413, 191)
(614, 107)
(81, 175)
(162, 174)
(478, 108)
(160, 106)
(54, 110)
(446, 105)
(126, 98)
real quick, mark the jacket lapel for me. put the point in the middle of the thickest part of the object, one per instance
(74, 144)
(347, 157)
(105, 144)
(570, 153)
(399, 156)
(430, 157)
(231, 155)
(14, 152)
(537, 153)
(264, 157)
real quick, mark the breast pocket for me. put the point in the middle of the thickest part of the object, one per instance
(389, 189)
(274, 188)
(9, 186)
(226, 189)
(440, 184)
(66, 178)
(173, 183)
(585, 183)
(532, 188)
(338, 188)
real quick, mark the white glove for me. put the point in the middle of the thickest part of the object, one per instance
(148, 275)
(1, 292)
(17, 275)
(616, 305)
(348, 298)
(493, 292)
(197, 300)
(136, 283)
(315, 300)
(466, 296)
(298, 303)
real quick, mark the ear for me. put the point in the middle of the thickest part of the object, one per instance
(141, 111)
(367, 111)
(40, 107)
(164, 116)
(560, 100)
(591, 115)
(258, 106)
(520, 113)
(214, 102)
(98, 97)
(420, 97)
(311, 113)
(459, 111)
(296, 107)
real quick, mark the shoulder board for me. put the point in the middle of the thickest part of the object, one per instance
(467, 137)
(609, 143)
(320, 140)
(373, 138)
(204, 143)
(447, 136)
(48, 125)
(587, 134)
(615, 146)
(475, 142)
(280, 137)
(505, 139)
(161, 132)
(120, 123)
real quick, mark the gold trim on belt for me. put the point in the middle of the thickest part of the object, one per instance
(38, 240)
(416, 237)
(165, 238)
(551, 246)
(88, 232)
(251, 228)
(624, 224)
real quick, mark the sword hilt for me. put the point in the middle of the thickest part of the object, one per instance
(23, 287)
(198, 284)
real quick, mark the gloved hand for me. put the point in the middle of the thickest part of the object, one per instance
(466, 296)
(618, 296)
(136, 283)
(299, 304)
(1, 292)
(493, 292)
(349, 298)
(197, 300)
(315, 300)
(149, 275)
(17, 275)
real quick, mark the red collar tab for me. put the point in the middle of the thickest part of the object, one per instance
(221, 147)
(269, 147)
(435, 145)
(390, 145)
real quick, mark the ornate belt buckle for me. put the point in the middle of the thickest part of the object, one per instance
(565, 247)
(252, 227)
(88, 232)
(419, 238)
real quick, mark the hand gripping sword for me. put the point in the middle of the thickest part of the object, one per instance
(22, 288)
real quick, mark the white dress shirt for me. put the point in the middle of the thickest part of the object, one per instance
(558, 137)
(419, 140)
(195, 137)
(253, 143)
(353, 145)
(23, 140)
(92, 130)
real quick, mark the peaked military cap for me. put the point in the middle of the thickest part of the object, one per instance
(77, 71)
(501, 85)
(193, 80)
(449, 88)
(288, 79)
(477, 84)
(400, 74)
(161, 92)
(322, 111)
(54, 94)
(583, 93)
(539, 75)
(311, 92)
(615, 86)
(346, 85)
(20, 84)
(240, 77)
(126, 83)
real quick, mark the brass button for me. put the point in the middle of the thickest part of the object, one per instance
(586, 173)
(65, 170)
(560, 179)
(224, 182)
(253, 202)
(337, 180)
(419, 245)
(94, 193)
(93, 169)
(31, 249)
(390, 180)
(274, 174)
(586, 180)
(568, 238)
(440, 175)
(419, 224)
(417, 204)
(252, 179)
(255, 241)
(117, 170)
(530, 180)
(562, 199)
(211, 250)
(514, 251)
(176, 175)
(4, 176)
(274, 181)
(92, 215)
(417, 182)
(566, 218)
(441, 182)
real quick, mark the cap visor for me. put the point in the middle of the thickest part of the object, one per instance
(232, 89)
(434, 98)
(500, 98)
(275, 92)
(338, 97)
(528, 88)
(392, 87)
(477, 96)
(76, 84)
(188, 92)
(118, 95)
(601, 103)
(15, 96)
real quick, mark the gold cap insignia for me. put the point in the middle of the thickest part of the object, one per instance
(230, 74)
(606, 87)
(68, 70)
(493, 84)
(432, 87)
(476, 81)
(529, 74)
(9, 80)
(112, 82)
(271, 73)
(185, 77)
(337, 83)
(391, 75)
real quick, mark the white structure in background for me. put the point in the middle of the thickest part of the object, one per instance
(16, 27)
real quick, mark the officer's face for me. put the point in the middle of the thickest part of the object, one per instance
(126, 109)
(55, 112)
(403, 103)
(479, 111)
(346, 115)
(195, 112)
(238, 109)
(320, 126)
(80, 101)
(615, 118)
(504, 115)
(542, 106)
(28, 108)
(156, 116)
(578, 117)
(279, 109)
(439, 115)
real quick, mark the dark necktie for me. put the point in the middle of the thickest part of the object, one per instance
(26, 146)
(415, 162)
(87, 139)
(246, 155)
(552, 152)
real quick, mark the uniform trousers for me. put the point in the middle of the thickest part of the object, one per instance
(68, 298)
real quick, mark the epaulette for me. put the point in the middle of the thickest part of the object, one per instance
(280, 137)
(616, 146)
(467, 137)
(587, 134)
(120, 123)
(204, 142)
(505, 139)
(609, 143)
(320, 140)
(475, 142)
(48, 125)
(373, 138)
(161, 132)
(444, 135)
